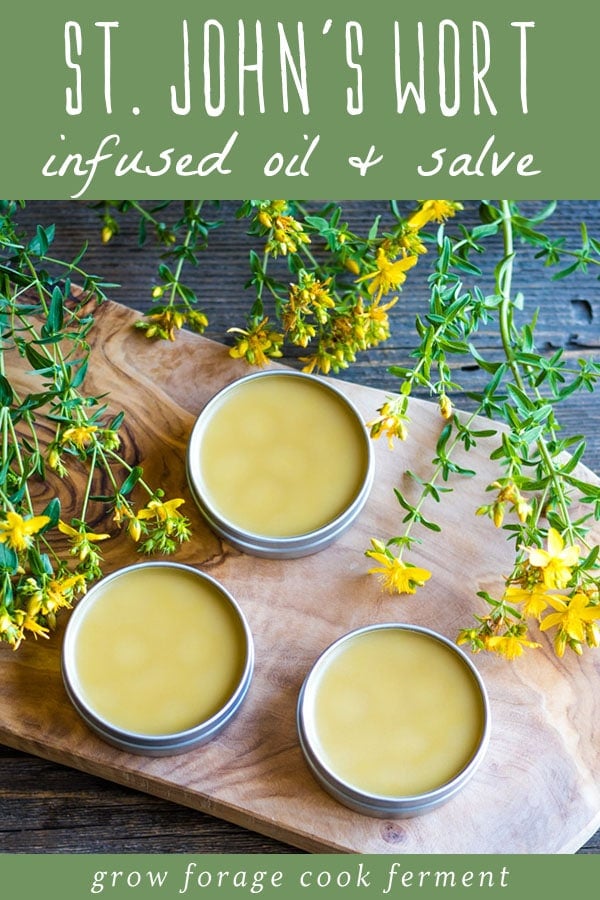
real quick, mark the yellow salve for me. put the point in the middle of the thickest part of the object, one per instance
(158, 651)
(396, 713)
(281, 456)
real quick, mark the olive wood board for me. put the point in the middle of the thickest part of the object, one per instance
(537, 789)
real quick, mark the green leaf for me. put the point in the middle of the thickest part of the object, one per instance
(373, 229)
(79, 376)
(523, 403)
(52, 510)
(55, 318)
(316, 222)
(6, 392)
(432, 526)
(166, 274)
(255, 263)
(590, 560)
(131, 480)
(502, 270)
(572, 463)
(403, 503)
(443, 438)
(487, 230)
(39, 563)
(116, 422)
(42, 240)
(9, 560)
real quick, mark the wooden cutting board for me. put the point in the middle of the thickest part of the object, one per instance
(538, 789)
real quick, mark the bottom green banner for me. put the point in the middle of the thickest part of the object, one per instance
(172, 877)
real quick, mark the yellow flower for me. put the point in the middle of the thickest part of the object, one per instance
(388, 275)
(165, 323)
(17, 532)
(556, 562)
(197, 321)
(321, 360)
(164, 512)
(286, 233)
(270, 210)
(9, 631)
(81, 540)
(59, 592)
(375, 323)
(510, 645)
(410, 242)
(391, 422)
(309, 296)
(433, 211)
(572, 616)
(395, 575)
(31, 624)
(535, 599)
(78, 535)
(257, 343)
(79, 435)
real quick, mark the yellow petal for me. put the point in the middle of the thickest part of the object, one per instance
(556, 601)
(570, 555)
(90, 536)
(555, 542)
(550, 621)
(67, 529)
(539, 558)
(36, 523)
(417, 574)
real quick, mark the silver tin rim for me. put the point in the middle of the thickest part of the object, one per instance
(289, 547)
(153, 744)
(379, 805)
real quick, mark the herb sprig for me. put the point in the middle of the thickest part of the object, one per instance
(46, 319)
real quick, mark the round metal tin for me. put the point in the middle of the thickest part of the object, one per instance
(153, 744)
(354, 797)
(274, 546)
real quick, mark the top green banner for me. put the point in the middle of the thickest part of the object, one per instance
(341, 98)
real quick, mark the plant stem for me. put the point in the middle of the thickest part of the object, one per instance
(181, 260)
(436, 474)
(504, 286)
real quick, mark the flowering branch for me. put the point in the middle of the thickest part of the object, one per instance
(565, 577)
(42, 322)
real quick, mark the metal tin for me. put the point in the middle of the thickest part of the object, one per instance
(353, 796)
(154, 744)
(278, 546)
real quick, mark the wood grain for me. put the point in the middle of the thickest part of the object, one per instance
(538, 790)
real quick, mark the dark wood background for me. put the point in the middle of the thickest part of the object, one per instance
(45, 807)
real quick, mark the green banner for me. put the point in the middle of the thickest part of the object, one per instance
(338, 98)
(117, 877)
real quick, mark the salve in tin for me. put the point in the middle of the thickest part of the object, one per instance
(157, 657)
(393, 719)
(280, 463)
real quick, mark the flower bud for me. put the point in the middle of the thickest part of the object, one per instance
(134, 529)
(445, 406)
(53, 458)
(592, 634)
